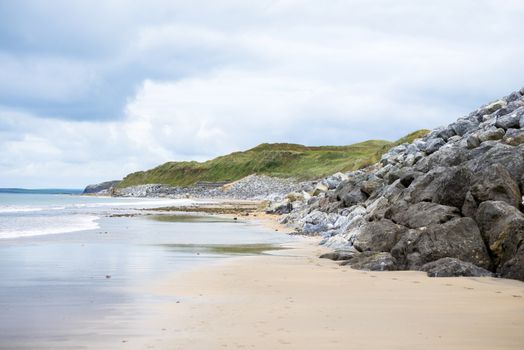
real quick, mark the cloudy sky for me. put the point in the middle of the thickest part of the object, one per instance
(93, 90)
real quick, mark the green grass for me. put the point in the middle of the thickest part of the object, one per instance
(280, 160)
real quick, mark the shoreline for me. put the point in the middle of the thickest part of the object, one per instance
(291, 299)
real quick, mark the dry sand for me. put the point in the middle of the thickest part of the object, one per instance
(293, 300)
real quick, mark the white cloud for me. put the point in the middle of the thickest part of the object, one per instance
(204, 78)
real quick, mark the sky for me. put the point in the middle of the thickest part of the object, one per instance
(93, 90)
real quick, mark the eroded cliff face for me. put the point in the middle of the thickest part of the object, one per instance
(104, 188)
(449, 203)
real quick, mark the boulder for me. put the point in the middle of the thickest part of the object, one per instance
(280, 208)
(371, 185)
(458, 238)
(469, 208)
(491, 133)
(451, 267)
(378, 236)
(334, 180)
(373, 261)
(514, 267)
(445, 156)
(514, 137)
(463, 126)
(496, 184)
(433, 145)
(353, 198)
(502, 227)
(319, 188)
(408, 177)
(492, 107)
(446, 133)
(422, 214)
(377, 208)
(446, 186)
(490, 153)
(339, 255)
(510, 120)
(472, 141)
(513, 96)
(406, 174)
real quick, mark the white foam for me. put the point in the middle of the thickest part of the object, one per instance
(44, 225)
(18, 209)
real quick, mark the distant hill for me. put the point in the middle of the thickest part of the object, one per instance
(278, 159)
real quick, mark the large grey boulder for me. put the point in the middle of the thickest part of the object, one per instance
(422, 214)
(280, 208)
(472, 141)
(446, 133)
(339, 255)
(379, 236)
(491, 133)
(371, 185)
(373, 261)
(433, 145)
(459, 238)
(492, 107)
(496, 184)
(514, 267)
(444, 157)
(447, 186)
(502, 227)
(510, 120)
(354, 197)
(451, 267)
(510, 157)
(469, 208)
(513, 96)
(463, 126)
(514, 137)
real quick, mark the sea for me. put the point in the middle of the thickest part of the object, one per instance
(81, 269)
(25, 213)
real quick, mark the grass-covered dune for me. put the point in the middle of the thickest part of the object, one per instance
(279, 160)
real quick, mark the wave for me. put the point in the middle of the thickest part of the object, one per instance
(22, 209)
(42, 225)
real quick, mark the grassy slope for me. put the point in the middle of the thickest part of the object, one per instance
(281, 160)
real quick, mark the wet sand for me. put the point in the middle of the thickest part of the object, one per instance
(90, 289)
(293, 300)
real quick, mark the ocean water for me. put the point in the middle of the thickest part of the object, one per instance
(33, 214)
(74, 274)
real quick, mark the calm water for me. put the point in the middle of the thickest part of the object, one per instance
(70, 273)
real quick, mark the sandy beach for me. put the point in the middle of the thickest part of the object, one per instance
(293, 300)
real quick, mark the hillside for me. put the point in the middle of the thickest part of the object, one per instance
(279, 160)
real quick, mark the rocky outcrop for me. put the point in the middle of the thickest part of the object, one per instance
(449, 203)
(451, 267)
(104, 188)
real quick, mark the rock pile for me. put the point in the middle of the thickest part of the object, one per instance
(449, 203)
(253, 187)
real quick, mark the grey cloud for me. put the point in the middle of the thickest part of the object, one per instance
(150, 81)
